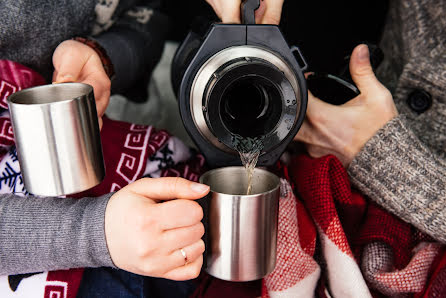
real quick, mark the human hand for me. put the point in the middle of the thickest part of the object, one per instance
(146, 230)
(76, 62)
(343, 130)
(228, 11)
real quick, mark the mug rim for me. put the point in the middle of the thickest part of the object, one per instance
(84, 90)
(203, 176)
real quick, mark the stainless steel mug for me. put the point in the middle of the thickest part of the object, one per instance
(241, 234)
(57, 138)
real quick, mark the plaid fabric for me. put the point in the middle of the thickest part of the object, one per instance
(332, 242)
(296, 272)
(363, 251)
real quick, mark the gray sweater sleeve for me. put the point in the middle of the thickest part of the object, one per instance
(41, 234)
(397, 171)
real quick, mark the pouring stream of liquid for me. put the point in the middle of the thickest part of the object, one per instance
(249, 150)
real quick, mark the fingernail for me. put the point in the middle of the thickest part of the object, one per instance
(363, 52)
(65, 78)
(199, 188)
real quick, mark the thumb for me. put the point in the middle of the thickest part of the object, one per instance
(68, 63)
(361, 69)
(168, 188)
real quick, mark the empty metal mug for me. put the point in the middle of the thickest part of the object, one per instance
(57, 138)
(241, 230)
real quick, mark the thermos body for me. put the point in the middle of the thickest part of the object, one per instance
(240, 80)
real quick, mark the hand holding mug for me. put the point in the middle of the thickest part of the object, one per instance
(153, 227)
(76, 62)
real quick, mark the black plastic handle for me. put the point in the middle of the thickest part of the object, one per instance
(299, 58)
(248, 9)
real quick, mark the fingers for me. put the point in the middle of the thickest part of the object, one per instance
(176, 259)
(307, 74)
(192, 253)
(227, 10)
(361, 69)
(182, 237)
(186, 272)
(167, 188)
(269, 12)
(231, 12)
(101, 87)
(178, 213)
(76, 62)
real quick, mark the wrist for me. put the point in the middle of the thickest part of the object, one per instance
(101, 52)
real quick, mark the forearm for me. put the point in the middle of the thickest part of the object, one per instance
(42, 234)
(398, 172)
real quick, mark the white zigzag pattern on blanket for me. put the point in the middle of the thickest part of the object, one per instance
(303, 288)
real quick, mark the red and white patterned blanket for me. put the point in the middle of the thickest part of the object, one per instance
(334, 242)
(331, 240)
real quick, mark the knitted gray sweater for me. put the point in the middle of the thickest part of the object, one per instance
(131, 31)
(403, 167)
(39, 234)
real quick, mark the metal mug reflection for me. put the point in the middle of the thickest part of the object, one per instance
(241, 235)
(57, 137)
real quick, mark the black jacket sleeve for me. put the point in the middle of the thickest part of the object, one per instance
(134, 42)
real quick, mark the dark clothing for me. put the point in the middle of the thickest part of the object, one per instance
(131, 31)
(109, 282)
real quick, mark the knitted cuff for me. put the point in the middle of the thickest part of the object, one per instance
(396, 170)
(102, 53)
